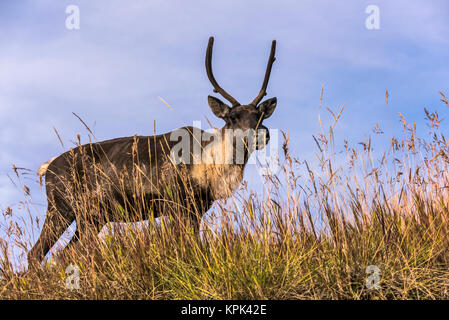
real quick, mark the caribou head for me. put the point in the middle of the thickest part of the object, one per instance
(243, 117)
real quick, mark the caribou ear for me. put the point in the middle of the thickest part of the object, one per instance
(219, 108)
(267, 107)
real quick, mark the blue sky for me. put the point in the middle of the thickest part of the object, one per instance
(126, 54)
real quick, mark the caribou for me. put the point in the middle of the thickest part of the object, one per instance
(133, 178)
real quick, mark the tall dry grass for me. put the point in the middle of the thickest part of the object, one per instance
(311, 236)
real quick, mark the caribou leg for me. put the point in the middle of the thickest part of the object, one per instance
(81, 231)
(54, 226)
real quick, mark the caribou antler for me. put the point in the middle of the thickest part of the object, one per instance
(210, 75)
(263, 91)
